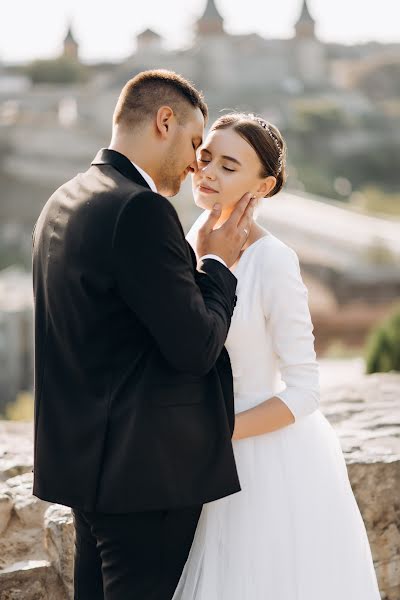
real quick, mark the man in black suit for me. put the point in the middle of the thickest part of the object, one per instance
(133, 388)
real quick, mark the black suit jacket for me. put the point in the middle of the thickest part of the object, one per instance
(133, 387)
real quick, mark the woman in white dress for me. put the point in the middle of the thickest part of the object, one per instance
(294, 532)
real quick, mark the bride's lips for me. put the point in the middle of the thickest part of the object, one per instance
(206, 190)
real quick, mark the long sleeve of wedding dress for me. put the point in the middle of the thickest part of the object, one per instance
(285, 303)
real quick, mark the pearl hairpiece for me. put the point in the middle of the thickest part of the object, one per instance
(265, 126)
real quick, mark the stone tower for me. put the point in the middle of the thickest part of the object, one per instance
(305, 26)
(213, 64)
(211, 23)
(148, 40)
(310, 58)
(71, 46)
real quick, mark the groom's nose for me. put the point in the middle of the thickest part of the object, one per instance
(194, 167)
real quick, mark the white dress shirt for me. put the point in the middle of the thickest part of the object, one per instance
(152, 185)
(146, 177)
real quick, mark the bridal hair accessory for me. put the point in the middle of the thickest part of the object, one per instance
(265, 126)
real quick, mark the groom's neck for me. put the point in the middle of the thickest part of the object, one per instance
(137, 151)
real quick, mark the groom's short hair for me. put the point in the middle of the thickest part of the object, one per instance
(142, 96)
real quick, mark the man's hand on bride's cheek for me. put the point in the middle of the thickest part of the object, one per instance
(227, 241)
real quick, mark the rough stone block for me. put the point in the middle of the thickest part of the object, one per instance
(59, 542)
(30, 580)
(11, 467)
(366, 416)
(5, 509)
(29, 509)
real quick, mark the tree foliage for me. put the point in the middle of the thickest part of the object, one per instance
(383, 347)
(57, 71)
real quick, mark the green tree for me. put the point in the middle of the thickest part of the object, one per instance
(383, 346)
(57, 71)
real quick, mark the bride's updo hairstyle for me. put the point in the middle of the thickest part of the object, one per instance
(264, 138)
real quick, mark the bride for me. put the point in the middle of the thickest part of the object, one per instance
(294, 532)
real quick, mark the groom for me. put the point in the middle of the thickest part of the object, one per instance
(133, 388)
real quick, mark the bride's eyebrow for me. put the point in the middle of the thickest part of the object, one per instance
(235, 160)
(232, 160)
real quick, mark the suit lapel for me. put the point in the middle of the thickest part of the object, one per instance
(121, 163)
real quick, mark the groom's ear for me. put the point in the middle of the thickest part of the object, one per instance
(164, 118)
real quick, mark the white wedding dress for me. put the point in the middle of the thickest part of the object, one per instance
(294, 532)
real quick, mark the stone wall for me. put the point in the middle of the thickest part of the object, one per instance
(366, 416)
(29, 569)
(36, 538)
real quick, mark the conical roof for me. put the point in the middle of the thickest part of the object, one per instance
(305, 16)
(148, 33)
(70, 37)
(211, 12)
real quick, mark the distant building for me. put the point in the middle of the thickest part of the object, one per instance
(71, 46)
(48, 133)
(211, 23)
(310, 53)
(148, 41)
(227, 66)
(305, 26)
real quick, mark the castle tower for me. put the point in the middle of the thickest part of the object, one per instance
(214, 50)
(71, 46)
(211, 23)
(148, 40)
(305, 26)
(310, 57)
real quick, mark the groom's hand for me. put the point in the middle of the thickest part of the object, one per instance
(227, 241)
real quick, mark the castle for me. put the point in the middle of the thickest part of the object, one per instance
(251, 68)
(49, 132)
(227, 65)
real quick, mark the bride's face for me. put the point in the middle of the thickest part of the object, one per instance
(228, 167)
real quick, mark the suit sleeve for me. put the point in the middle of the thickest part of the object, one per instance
(188, 314)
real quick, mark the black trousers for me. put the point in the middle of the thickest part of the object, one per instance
(134, 556)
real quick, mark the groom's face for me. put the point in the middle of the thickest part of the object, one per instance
(180, 158)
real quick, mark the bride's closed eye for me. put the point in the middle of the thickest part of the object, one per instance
(201, 160)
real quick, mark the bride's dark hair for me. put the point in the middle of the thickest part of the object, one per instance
(264, 138)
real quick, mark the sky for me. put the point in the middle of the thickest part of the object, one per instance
(106, 30)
